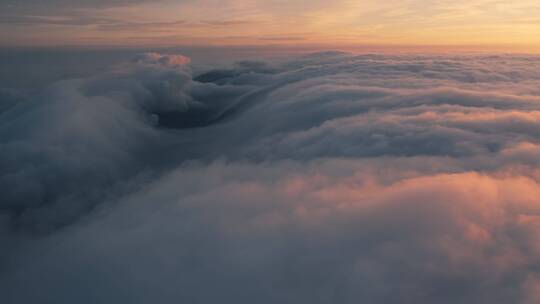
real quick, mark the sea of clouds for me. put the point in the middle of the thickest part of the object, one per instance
(325, 178)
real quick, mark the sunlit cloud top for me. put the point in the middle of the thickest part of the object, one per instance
(250, 22)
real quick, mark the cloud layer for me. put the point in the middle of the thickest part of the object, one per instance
(331, 177)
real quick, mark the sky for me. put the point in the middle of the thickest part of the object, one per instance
(512, 25)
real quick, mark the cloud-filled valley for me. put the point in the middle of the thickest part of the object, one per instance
(327, 177)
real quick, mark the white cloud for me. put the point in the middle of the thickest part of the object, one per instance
(333, 177)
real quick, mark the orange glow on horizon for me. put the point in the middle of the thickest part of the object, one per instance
(475, 24)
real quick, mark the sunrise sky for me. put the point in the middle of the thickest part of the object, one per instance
(512, 25)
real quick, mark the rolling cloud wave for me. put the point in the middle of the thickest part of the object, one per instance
(332, 177)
